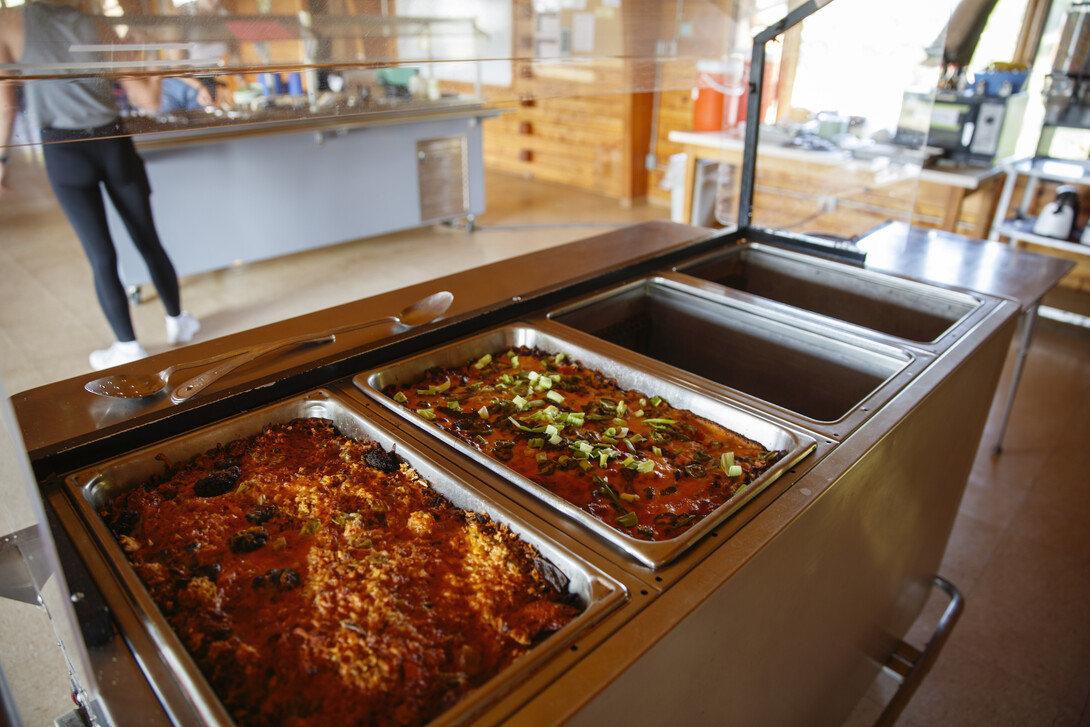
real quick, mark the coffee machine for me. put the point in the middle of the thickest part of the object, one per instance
(1066, 123)
(972, 127)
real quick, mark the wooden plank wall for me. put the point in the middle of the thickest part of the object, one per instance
(576, 140)
(589, 124)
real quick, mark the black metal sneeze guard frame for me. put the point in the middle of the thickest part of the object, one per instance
(836, 249)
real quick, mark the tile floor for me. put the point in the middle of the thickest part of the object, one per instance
(1020, 553)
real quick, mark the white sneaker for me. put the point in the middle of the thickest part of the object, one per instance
(120, 352)
(181, 328)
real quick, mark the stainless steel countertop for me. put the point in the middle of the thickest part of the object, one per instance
(946, 258)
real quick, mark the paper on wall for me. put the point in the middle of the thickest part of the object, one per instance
(582, 32)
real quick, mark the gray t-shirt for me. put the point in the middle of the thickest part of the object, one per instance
(79, 102)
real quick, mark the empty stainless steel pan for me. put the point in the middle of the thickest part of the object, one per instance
(894, 306)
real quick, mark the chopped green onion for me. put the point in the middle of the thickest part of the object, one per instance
(657, 451)
(555, 439)
(629, 497)
(535, 430)
(735, 471)
(660, 421)
(656, 400)
(584, 447)
(428, 414)
(514, 362)
(555, 396)
(627, 520)
(533, 375)
(483, 412)
(621, 407)
(483, 361)
(537, 443)
(400, 397)
(559, 357)
(544, 383)
(454, 405)
(434, 389)
(519, 402)
(645, 467)
(726, 460)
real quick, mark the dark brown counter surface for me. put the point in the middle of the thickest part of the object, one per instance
(61, 419)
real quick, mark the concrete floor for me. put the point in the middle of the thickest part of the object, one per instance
(1019, 553)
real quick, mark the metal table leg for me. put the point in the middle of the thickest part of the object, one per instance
(910, 665)
(1027, 323)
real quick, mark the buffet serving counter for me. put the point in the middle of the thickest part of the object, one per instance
(779, 608)
(225, 195)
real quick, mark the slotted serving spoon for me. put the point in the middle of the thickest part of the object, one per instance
(422, 311)
(135, 386)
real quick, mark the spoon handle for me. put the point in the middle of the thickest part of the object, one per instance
(200, 382)
(352, 327)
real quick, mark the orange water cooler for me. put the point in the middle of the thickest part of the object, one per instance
(720, 95)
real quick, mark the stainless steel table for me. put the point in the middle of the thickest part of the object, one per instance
(984, 266)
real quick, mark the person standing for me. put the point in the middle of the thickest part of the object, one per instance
(86, 150)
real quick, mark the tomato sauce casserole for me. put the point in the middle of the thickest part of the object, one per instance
(318, 580)
(633, 461)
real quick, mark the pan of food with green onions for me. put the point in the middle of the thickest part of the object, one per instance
(643, 461)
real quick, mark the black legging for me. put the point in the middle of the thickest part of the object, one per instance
(75, 169)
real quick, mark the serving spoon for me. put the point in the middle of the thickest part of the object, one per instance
(135, 386)
(422, 311)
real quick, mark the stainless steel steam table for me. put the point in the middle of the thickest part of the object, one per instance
(782, 613)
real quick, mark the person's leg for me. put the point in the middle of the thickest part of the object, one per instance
(127, 184)
(129, 190)
(74, 179)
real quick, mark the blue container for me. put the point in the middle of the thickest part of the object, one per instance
(295, 84)
(268, 84)
(994, 80)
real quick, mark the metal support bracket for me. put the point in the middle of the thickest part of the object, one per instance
(16, 582)
(910, 665)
